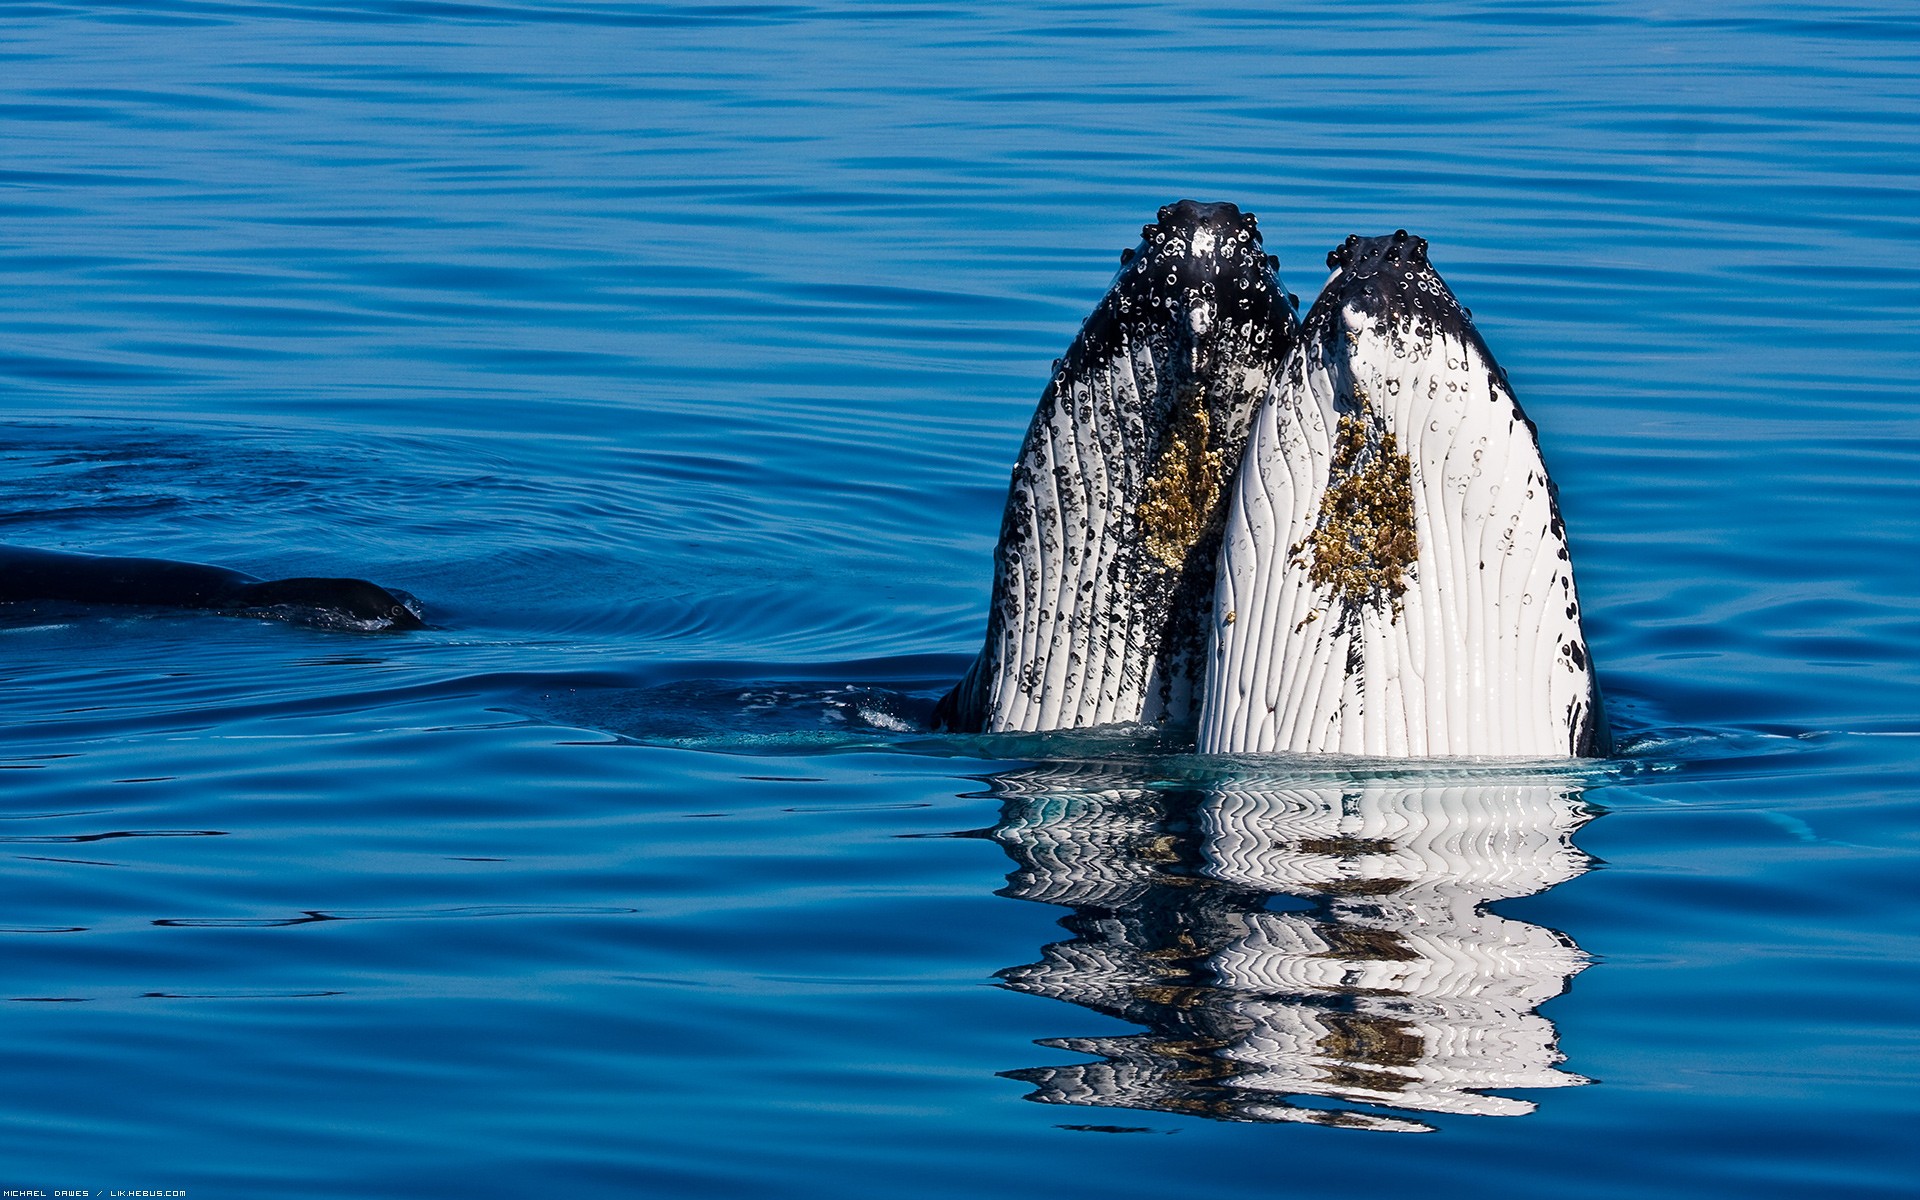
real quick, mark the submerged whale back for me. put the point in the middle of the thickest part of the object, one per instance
(28, 576)
(1111, 530)
(1395, 577)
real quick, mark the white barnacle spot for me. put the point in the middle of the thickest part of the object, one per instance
(1203, 242)
(1200, 318)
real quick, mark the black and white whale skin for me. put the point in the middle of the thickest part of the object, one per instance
(48, 575)
(1105, 565)
(1395, 578)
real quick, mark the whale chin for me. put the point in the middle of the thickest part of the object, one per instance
(1395, 577)
(1111, 533)
(1331, 538)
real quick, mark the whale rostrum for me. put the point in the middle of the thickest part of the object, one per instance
(1378, 566)
(1395, 577)
(1106, 558)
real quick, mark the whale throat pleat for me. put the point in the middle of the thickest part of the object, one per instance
(1394, 577)
(1108, 545)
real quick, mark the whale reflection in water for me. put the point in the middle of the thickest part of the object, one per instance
(1393, 987)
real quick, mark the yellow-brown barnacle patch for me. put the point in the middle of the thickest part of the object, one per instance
(1364, 943)
(1363, 541)
(1368, 1038)
(1170, 995)
(1193, 1049)
(1181, 499)
(1347, 1077)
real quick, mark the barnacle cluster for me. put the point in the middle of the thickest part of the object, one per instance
(1363, 541)
(1182, 500)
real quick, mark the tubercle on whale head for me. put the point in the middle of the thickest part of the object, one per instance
(1365, 256)
(1195, 230)
(1178, 224)
(1390, 277)
(1203, 261)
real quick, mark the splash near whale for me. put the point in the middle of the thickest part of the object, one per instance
(1105, 564)
(1371, 560)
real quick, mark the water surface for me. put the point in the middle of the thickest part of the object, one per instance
(675, 357)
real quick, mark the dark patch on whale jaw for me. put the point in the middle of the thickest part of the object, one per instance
(1590, 733)
(1149, 412)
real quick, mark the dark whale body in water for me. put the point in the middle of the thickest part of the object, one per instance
(47, 575)
(1105, 566)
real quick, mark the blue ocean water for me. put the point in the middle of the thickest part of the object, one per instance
(675, 355)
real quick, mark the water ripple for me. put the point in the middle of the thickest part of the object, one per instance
(674, 355)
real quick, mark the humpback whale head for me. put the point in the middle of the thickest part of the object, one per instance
(1198, 261)
(1394, 578)
(1390, 278)
(1112, 524)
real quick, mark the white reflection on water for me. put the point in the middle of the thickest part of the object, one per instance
(1391, 987)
